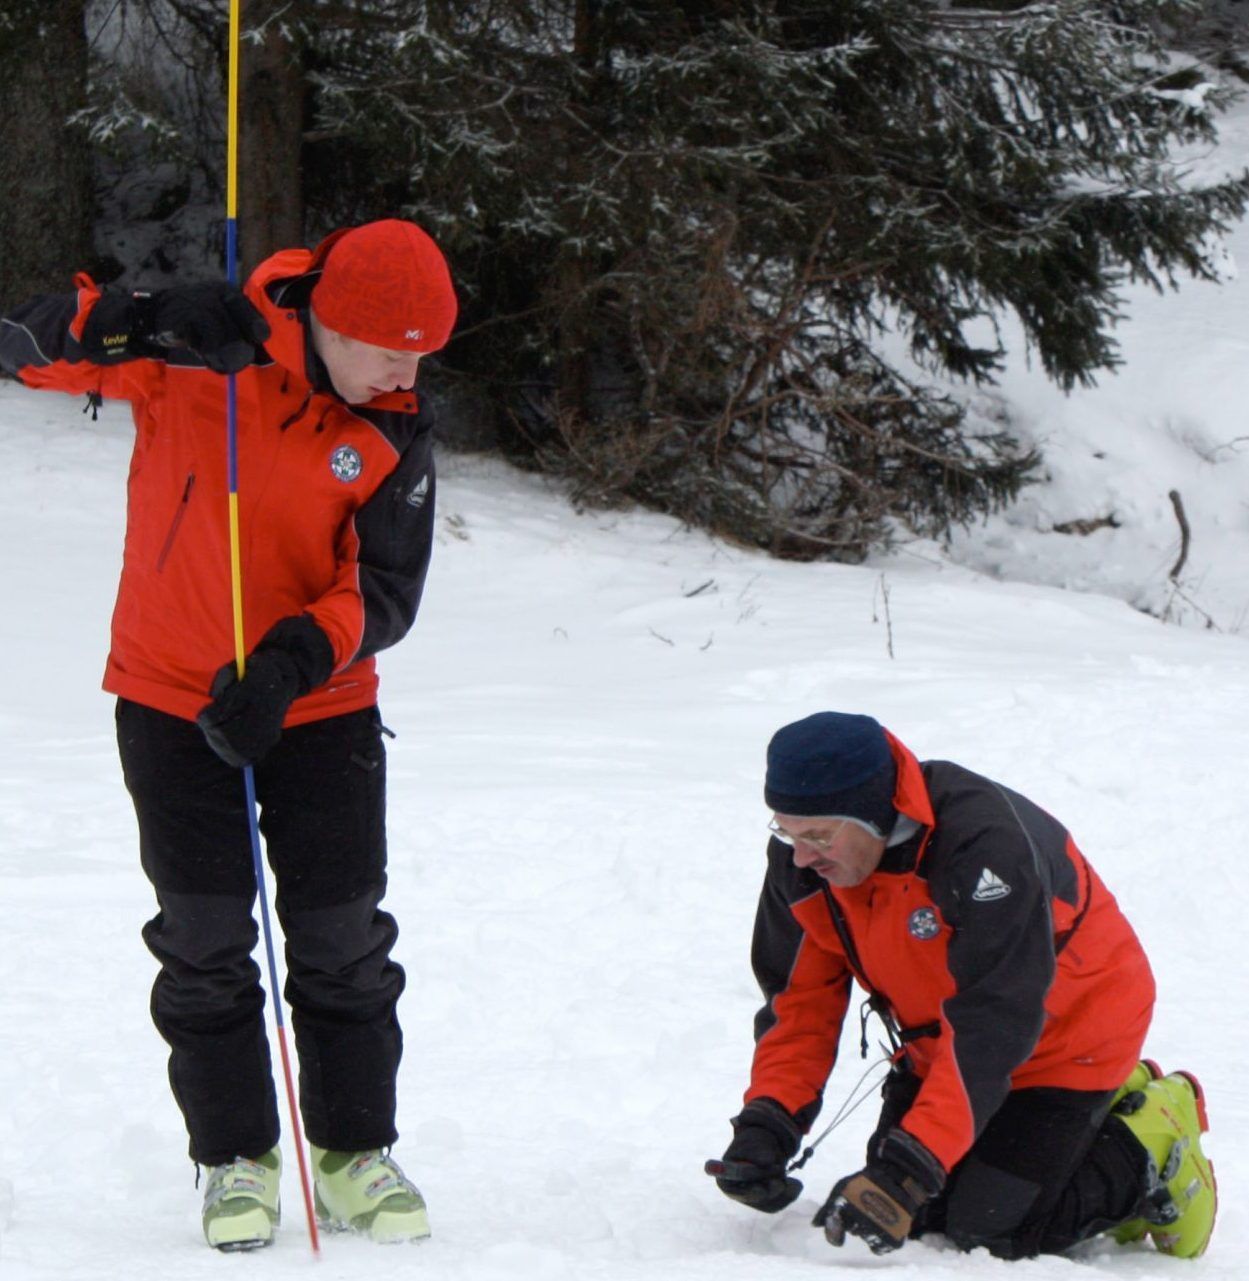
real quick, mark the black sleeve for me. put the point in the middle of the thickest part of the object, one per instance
(777, 936)
(992, 890)
(38, 333)
(806, 991)
(396, 534)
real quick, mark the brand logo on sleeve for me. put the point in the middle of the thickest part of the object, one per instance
(989, 888)
(418, 493)
(346, 463)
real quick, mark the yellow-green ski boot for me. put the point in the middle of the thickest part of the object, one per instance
(367, 1192)
(241, 1203)
(1140, 1076)
(1168, 1118)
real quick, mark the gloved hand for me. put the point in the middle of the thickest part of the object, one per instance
(244, 721)
(880, 1202)
(752, 1169)
(214, 319)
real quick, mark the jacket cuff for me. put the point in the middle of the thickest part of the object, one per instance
(770, 1116)
(115, 329)
(904, 1153)
(306, 644)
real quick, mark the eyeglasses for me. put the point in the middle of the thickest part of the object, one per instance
(821, 843)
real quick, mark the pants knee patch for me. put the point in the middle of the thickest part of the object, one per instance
(986, 1207)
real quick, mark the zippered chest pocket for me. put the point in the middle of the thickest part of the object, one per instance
(175, 523)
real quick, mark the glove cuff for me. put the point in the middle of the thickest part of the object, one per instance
(116, 329)
(307, 646)
(769, 1115)
(917, 1171)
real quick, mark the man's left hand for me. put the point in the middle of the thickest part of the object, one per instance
(879, 1203)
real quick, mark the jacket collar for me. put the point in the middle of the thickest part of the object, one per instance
(911, 798)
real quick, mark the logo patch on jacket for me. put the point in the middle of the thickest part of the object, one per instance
(418, 493)
(989, 887)
(923, 923)
(346, 463)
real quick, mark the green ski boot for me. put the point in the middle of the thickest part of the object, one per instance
(1140, 1076)
(367, 1192)
(241, 1204)
(1168, 1118)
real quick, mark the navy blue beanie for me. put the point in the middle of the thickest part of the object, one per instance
(833, 763)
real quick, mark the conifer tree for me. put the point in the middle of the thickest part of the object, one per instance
(722, 257)
(44, 167)
(687, 228)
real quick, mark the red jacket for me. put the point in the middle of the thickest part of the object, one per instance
(336, 502)
(992, 942)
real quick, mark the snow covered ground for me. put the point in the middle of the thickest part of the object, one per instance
(577, 831)
(577, 838)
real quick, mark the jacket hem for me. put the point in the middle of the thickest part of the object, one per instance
(351, 691)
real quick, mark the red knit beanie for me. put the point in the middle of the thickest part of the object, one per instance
(385, 283)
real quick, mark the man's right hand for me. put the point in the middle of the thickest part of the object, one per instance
(752, 1169)
(214, 319)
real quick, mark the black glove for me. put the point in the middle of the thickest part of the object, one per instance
(752, 1169)
(214, 319)
(244, 720)
(880, 1202)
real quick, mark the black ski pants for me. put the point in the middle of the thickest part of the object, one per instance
(1050, 1169)
(322, 798)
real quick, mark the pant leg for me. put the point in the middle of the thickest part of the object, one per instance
(1049, 1170)
(322, 795)
(207, 1002)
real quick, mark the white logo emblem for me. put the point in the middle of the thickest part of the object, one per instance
(414, 335)
(418, 493)
(346, 463)
(923, 923)
(989, 887)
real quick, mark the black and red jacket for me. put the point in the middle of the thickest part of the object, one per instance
(336, 501)
(994, 946)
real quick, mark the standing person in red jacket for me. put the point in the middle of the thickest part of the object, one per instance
(1017, 1114)
(336, 503)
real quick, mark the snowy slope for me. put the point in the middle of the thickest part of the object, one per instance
(577, 837)
(1175, 417)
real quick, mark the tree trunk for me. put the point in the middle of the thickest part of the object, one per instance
(271, 126)
(44, 164)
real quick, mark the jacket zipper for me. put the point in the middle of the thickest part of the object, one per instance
(899, 1037)
(176, 523)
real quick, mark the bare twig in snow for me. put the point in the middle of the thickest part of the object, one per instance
(1185, 534)
(883, 587)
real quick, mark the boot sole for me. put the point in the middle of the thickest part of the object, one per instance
(242, 1247)
(1203, 1122)
(254, 1229)
(1200, 1095)
(383, 1229)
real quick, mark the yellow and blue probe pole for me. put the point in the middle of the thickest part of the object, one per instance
(236, 591)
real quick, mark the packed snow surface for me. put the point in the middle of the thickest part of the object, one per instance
(577, 837)
(577, 831)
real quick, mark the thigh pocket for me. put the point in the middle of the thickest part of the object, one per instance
(367, 769)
